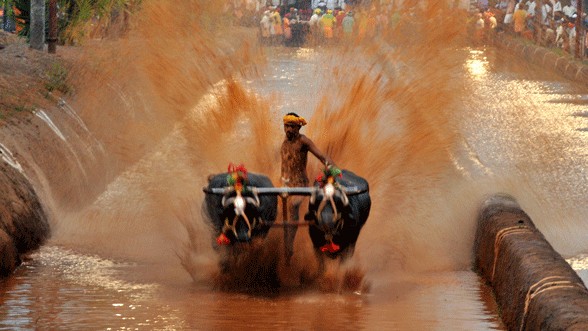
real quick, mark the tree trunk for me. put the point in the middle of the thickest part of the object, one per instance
(579, 28)
(52, 40)
(37, 34)
(4, 14)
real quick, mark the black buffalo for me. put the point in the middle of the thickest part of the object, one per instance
(336, 223)
(259, 211)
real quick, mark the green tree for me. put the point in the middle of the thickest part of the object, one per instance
(22, 15)
(76, 16)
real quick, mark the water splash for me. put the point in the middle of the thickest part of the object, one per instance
(93, 143)
(391, 114)
(10, 159)
(390, 117)
(43, 116)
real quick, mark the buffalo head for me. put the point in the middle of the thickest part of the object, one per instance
(337, 216)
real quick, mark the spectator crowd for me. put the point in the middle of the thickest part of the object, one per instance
(322, 25)
(549, 23)
(312, 21)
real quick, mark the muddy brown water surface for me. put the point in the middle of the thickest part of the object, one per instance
(140, 257)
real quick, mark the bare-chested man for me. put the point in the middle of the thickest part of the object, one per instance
(294, 154)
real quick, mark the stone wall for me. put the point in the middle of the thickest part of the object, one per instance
(545, 57)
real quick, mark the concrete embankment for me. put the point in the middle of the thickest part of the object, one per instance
(545, 57)
(534, 287)
(23, 223)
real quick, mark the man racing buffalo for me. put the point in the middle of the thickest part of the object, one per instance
(294, 154)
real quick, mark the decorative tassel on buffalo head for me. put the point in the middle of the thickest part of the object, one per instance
(237, 176)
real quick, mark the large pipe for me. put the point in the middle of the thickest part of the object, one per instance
(23, 223)
(534, 287)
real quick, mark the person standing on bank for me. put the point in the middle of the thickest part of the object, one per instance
(294, 155)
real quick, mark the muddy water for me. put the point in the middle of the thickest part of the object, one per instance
(434, 128)
(64, 290)
(140, 256)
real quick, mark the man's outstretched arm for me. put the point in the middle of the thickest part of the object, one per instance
(324, 158)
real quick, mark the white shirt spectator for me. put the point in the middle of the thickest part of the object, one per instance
(480, 23)
(568, 11)
(571, 33)
(559, 35)
(556, 7)
(493, 22)
(532, 5)
(265, 24)
(502, 4)
(545, 14)
(510, 9)
(314, 19)
(571, 38)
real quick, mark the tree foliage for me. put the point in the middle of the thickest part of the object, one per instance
(79, 19)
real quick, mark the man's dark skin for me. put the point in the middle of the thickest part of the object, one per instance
(294, 153)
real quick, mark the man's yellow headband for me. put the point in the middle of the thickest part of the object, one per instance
(291, 119)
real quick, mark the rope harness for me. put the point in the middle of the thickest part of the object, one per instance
(240, 203)
(329, 191)
(547, 284)
(517, 229)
